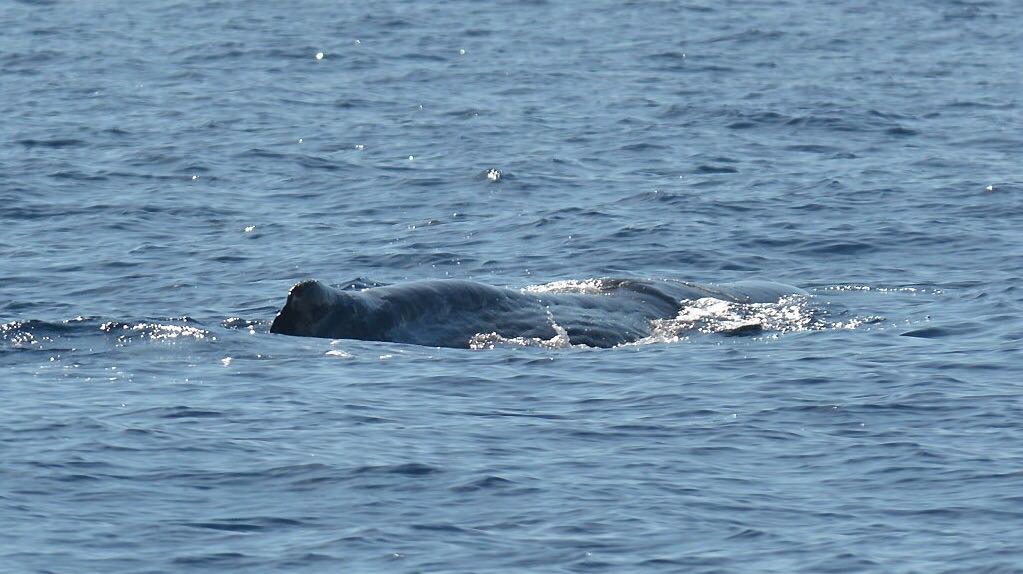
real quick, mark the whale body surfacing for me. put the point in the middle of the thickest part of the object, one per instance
(451, 312)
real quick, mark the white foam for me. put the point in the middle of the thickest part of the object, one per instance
(590, 286)
(845, 288)
(708, 315)
(492, 340)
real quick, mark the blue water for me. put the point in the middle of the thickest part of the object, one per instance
(169, 170)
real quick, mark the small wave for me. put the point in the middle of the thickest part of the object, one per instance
(712, 169)
(17, 335)
(126, 332)
(487, 482)
(45, 335)
(405, 469)
(33, 333)
(240, 324)
(56, 143)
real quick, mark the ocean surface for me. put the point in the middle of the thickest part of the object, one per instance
(168, 170)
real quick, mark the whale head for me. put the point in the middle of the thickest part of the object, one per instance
(309, 305)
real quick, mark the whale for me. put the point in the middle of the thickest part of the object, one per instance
(451, 312)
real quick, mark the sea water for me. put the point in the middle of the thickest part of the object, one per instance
(168, 170)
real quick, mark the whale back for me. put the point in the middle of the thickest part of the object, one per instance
(444, 313)
(450, 313)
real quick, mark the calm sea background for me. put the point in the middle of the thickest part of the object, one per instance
(169, 169)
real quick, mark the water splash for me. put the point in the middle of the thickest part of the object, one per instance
(865, 288)
(560, 340)
(17, 335)
(713, 316)
(706, 316)
(586, 286)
